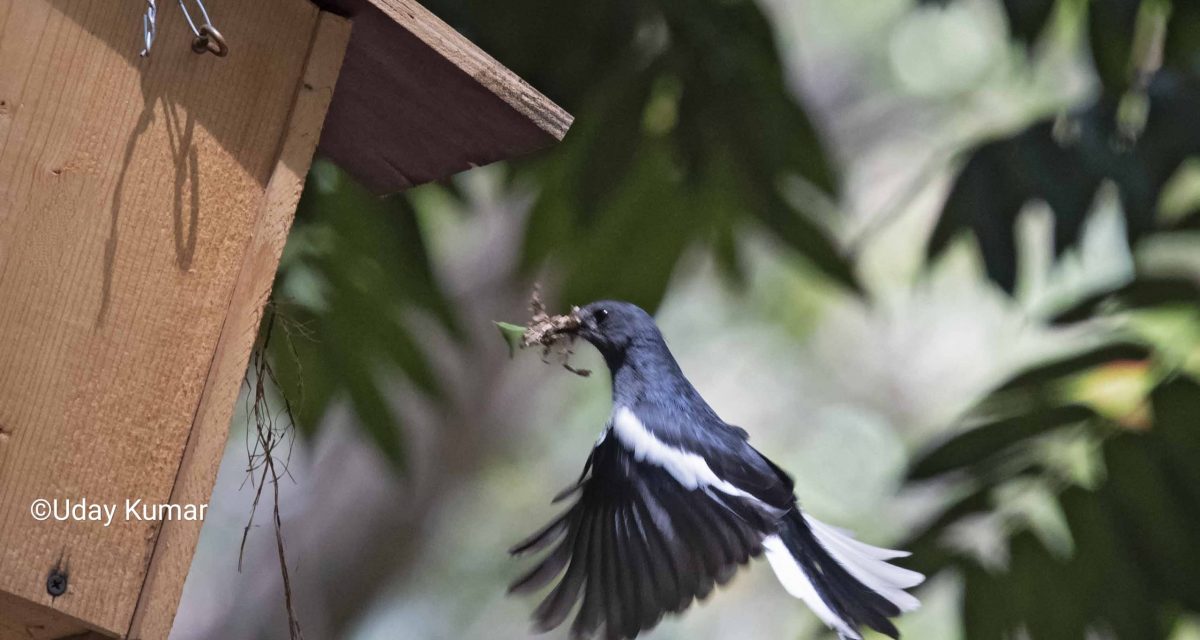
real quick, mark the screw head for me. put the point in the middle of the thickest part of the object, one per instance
(56, 583)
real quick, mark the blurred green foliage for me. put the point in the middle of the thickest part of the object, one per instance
(687, 134)
(1137, 132)
(354, 272)
(1132, 567)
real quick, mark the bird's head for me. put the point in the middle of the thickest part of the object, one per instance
(612, 326)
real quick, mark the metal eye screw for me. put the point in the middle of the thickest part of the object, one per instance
(207, 38)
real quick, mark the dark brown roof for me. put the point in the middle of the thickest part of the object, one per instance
(416, 101)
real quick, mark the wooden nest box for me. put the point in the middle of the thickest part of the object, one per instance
(144, 203)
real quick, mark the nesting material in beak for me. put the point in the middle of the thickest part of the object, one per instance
(549, 331)
(544, 329)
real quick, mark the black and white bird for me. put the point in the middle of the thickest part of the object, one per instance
(673, 500)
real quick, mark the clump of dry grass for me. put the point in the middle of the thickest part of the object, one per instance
(554, 333)
(547, 330)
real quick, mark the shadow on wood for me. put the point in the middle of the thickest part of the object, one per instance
(143, 205)
(416, 101)
(174, 75)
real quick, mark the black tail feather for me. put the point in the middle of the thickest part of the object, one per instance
(851, 600)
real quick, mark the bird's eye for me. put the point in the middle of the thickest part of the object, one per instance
(600, 315)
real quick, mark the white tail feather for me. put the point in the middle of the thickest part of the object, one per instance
(868, 564)
(849, 537)
(794, 580)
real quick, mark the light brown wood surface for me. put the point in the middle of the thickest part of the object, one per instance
(24, 620)
(417, 102)
(142, 204)
(198, 469)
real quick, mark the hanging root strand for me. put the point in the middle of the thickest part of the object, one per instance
(272, 429)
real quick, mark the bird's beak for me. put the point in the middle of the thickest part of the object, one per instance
(577, 321)
(586, 324)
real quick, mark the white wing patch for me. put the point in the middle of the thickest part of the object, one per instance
(689, 469)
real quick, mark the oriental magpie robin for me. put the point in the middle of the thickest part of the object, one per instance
(672, 500)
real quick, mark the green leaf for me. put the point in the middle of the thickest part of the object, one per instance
(1152, 511)
(633, 246)
(728, 56)
(1051, 603)
(1176, 411)
(1170, 137)
(1181, 50)
(1111, 28)
(1105, 571)
(1039, 379)
(977, 203)
(1176, 406)
(295, 357)
(980, 444)
(1188, 222)
(1063, 163)
(512, 335)
(929, 555)
(1003, 175)
(408, 261)
(617, 137)
(1143, 292)
(988, 601)
(683, 134)
(1027, 18)
(374, 414)
(357, 268)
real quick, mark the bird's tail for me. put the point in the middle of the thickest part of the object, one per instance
(847, 583)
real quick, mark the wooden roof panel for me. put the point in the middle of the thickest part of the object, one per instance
(417, 102)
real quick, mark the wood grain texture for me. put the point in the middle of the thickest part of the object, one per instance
(24, 620)
(130, 192)
(416, 101)
(198, 470)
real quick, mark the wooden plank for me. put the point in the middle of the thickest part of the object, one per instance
(130, 190)
(198, 469)
(24, 620)
(418, 102)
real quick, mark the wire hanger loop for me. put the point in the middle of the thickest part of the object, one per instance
(207, 38)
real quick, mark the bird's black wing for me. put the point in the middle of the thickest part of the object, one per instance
(725, 448)
(636, 545)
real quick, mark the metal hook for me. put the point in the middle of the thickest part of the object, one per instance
(208, 39)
